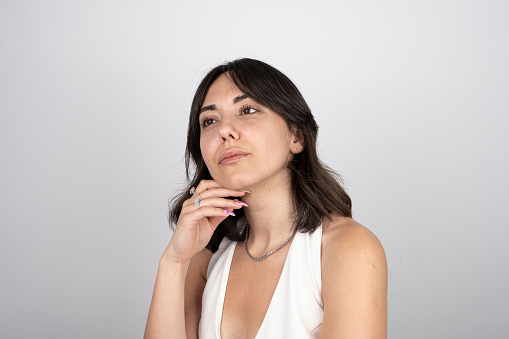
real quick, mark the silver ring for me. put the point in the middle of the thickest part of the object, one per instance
(198, 199)
(197, 202)
(193, 192)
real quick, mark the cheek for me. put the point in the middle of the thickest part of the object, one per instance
(203, 150)
(206, 152)
(281, 138)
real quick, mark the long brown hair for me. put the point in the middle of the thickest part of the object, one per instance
(316, 189)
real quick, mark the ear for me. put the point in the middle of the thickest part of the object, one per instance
(297, 142)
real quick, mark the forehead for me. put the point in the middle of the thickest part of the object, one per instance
(221, 89)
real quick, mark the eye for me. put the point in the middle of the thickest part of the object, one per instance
(206, 122)
(246, 110)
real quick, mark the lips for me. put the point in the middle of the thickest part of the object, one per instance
(231, 156)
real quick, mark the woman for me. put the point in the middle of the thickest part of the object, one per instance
(264, 224)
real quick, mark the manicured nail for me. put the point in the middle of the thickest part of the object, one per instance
(229, 213)
(241, 203)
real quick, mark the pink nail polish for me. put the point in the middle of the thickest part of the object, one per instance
(241, 203)
(229, 213)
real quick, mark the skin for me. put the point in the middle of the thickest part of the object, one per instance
(246, 148)
(249, 128)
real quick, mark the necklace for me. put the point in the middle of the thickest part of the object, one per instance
(271, 252)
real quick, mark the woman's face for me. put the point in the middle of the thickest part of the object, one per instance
(245, 145)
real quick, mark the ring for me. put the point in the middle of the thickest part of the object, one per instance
(197, 202)
(193, 192)
(198, 199)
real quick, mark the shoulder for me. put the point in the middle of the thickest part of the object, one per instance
(348, 245)
(354, 280)
(350, 251)
(343, 238)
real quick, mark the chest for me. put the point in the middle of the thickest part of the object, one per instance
(249, 291)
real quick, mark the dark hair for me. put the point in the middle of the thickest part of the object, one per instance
(317, 192)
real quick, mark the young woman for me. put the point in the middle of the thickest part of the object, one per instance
(264, 244)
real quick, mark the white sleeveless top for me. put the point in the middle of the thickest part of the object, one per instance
(296, 308)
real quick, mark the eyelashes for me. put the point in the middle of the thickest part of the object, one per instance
(244, 110)
(206, 122)
(248, 109)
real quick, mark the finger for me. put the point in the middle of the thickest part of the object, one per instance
(209, 212)
(223, 203)
(215, 221)
(221, 192)
(214, 192)
(206, 185)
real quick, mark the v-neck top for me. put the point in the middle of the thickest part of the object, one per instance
(296, 308)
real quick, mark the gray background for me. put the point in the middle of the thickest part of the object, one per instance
(411, 97)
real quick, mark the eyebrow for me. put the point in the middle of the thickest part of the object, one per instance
(236, 100)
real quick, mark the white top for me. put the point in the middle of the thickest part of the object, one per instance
(296, 308)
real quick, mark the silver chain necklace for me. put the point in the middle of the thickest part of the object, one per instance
(271, 252)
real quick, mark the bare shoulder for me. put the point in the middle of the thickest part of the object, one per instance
(354, 281)
(343, 236)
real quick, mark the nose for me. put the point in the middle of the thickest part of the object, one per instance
(228, 131)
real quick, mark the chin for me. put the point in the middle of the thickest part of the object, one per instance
(234, 186)
(233, 183)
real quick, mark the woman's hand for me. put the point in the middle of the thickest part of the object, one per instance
(197, 224)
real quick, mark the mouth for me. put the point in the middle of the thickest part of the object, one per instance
(231, 156)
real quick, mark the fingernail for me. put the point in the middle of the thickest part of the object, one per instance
(247, 191)
(241, 203)
(229, 213)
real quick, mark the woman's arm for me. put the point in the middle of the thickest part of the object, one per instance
(166, 317)
(354, 282)
(176, 297)
(196, 279)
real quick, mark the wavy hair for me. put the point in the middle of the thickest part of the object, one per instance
(316, 189)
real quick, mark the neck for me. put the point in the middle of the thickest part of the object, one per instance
(269, 215)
